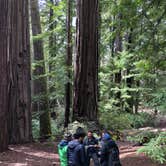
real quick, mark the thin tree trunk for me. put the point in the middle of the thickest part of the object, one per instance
(117, 44)
(40, 82)
(68, 65)
(52, 51)
(118, 77)
(85, 81)
(52, 38)
(130, 80)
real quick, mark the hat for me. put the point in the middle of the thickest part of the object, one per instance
(67, 135)
(106, 137)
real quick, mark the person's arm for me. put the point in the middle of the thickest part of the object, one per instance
(85, 141)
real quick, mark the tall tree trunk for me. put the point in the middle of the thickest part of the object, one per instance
(52, 50)
(19, 125)
(68, 65)
(117, 44)
(4, 85)
(40, 82)
(20, 97)
(52, 40)
(118, 76)
(85, 82)
(130, 80)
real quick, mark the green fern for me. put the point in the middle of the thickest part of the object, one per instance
(156, 148)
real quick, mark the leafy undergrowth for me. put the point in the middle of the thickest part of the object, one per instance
(156, 148)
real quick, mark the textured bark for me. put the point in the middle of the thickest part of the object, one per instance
(19, 126)
(40, 83)
(85, 83)
(4, 52)
(52, 50)
(68, 65)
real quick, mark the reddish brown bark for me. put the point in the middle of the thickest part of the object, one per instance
(86, 67)
(19, 124)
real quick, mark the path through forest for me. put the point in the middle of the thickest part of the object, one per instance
(45, 154)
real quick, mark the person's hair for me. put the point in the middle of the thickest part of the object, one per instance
(90, 131)
(79, 133)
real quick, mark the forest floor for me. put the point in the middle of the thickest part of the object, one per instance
(45, 154)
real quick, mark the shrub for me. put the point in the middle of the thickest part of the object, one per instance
(142, 137)
(142, 119)
(115, 121)
(156, 148)
(35, 128)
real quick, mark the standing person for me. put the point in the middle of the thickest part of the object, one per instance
(109, 152)
(76, 150)
(91, 146)
(62, 149)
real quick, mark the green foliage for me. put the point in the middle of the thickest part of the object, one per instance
(114, 121)
(142, 58)
(141, 120)
(157, 100)
(56, 124)
(156, 148)
(35, 128)
(142, 137)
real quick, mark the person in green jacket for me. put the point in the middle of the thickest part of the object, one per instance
(62, 149)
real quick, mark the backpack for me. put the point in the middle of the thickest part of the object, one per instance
(114, 157)
(62, 150)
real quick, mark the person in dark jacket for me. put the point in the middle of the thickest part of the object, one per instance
(109, 152)
(91, 147)
(76, 151)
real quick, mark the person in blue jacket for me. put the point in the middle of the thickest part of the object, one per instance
(76, 151)
(109, 152)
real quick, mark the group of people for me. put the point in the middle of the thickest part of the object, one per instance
(78, 149)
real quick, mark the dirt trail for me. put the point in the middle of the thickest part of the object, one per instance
(45, 154)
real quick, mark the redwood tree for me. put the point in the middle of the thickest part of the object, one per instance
(68, 65)
(40, 82)
(85, 83)
(19, 105)
(4, 47)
